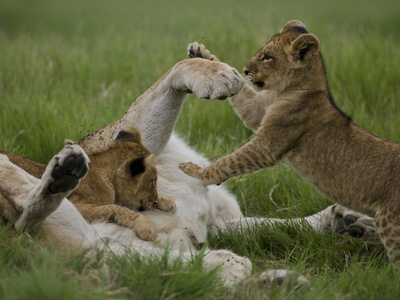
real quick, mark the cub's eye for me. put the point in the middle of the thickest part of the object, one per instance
(266, 58)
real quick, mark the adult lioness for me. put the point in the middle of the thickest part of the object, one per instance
(296, 119)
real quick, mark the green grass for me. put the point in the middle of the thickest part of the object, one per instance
(68, 69)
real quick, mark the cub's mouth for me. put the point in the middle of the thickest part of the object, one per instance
(259, 84)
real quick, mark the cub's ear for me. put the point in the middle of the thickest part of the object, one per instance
(138, 165)
(129, 134)
(305, 47)
(295, 26)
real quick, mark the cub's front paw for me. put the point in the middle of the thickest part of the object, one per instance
(196, 49)
(191, 169)
(144, 228)
(196, 171)
(166, 204)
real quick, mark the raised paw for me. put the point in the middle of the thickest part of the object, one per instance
(144, 228)
(166, 204)
(67, 176)
(206, 79)
(62, 175)
(199, 50)
(66, 169)
(346, 221)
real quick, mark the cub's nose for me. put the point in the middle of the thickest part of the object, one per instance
(246, 71)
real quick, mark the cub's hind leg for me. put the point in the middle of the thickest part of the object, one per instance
(62, 175)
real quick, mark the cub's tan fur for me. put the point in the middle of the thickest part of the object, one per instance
(295, 118)
(122, 179)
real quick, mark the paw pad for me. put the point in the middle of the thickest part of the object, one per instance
(343, 227)
(355, 231)
(350, 219)
(67, 176)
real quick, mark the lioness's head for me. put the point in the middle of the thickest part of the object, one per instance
(281, 61)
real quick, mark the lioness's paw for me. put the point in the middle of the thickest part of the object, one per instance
(62, 175)
(346, 221)
(232, 268)
(166, 204)
(206, 79)
(66, 169)
(199, 50)
(70, 168)
(144, 228)
(292, 280)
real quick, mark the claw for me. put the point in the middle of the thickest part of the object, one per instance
(198, 53)
(191, 52)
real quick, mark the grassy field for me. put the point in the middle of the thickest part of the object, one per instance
(69, 69)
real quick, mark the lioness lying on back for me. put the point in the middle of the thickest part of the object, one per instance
(295, 118)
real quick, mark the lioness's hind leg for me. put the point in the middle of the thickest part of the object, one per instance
(199, 50)
(347, 221)
(62, 175)
(69, 166)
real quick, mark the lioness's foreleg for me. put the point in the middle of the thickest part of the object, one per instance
(155, 112)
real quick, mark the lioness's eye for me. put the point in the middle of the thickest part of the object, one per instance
(266, 57)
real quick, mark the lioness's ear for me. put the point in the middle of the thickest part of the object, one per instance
(129, 134)
(305, 47)
(295, 26)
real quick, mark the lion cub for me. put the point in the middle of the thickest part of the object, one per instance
(121, 181)
(296, 118)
